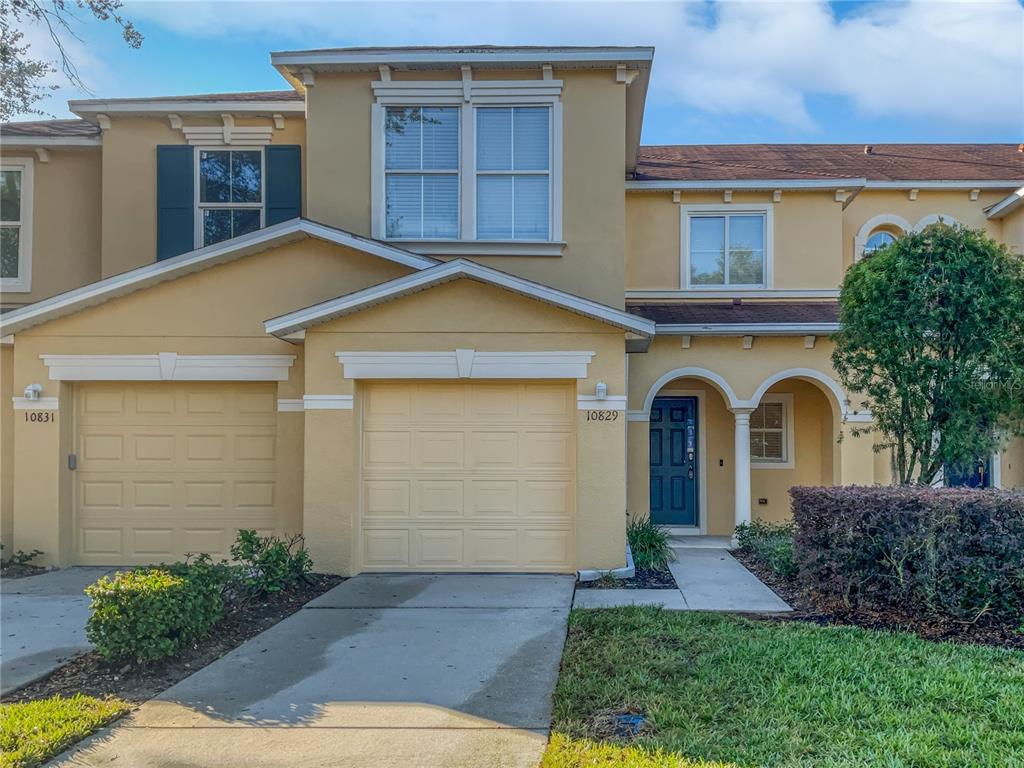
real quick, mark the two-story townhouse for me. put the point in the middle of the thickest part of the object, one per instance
(437, 309)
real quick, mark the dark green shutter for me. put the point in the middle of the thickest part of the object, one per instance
(175, 200)
(284, 183)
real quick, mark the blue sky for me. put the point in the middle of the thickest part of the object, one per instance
(723, 71)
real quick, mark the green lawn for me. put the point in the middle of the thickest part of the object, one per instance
(32, 732)
(725, 691)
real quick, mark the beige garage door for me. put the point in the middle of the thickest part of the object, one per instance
(476, 477)
(165, 469)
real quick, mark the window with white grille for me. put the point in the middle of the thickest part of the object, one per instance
(768, 432)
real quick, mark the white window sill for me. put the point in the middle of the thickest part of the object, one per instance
(772, 464)
(14, 285)
(481, 247)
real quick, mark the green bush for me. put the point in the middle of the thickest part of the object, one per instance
(269, 564)
(649, 544)
(150, 613)
(771, 544)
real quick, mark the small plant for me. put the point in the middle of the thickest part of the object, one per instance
(649, 544)
(771, 544)
(19, 558)
(269, 564)
(150, 613)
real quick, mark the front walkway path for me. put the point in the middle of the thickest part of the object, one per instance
(385, 670)
(42, 623)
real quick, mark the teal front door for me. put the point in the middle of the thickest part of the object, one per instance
(674, 461)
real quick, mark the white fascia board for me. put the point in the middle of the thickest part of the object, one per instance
(442, 273)
(748, 329)
(952, 184)
(86, 108)
(11, 142)
(743, 184)
(654, 294)
(374, 58)
(1007, 205)
(178, 266)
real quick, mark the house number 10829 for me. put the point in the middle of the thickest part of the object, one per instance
(40, 417)
(602, 415)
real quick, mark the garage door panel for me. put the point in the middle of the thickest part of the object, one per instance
(478, 476)
(168, 469)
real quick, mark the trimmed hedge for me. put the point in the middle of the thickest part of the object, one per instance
(149, 613)
(948, 552)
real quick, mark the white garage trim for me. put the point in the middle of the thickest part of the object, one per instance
(465, 364)
(42, 404)
(591, 403)
(290, 405)
(168, 366)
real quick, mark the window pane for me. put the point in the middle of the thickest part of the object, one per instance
(531, 207)
(756, 445)
(216, 225)
(879, 240)
(707, 250)
(245, 177)
(440, 138)
(402, 138)
(440, 206)
(746, 267)
(531, 138)
(494, 139)
(772, 415)
(746, 250)
(494, 207)
(707, 268)
(403, 205)
(214, 177)
(10, 196)
(746, 232)
(757, 418)
(773, 445)
(244, 220)
(9, 239)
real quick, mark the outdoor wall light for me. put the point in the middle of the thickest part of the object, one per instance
(601, 391)
(33, 391)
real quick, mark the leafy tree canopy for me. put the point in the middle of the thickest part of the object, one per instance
(932, 332)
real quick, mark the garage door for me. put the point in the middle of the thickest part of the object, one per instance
(477, 477)
(165, 469)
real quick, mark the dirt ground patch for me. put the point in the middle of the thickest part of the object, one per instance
(645, 578)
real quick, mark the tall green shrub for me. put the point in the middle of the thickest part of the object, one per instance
(649, 544)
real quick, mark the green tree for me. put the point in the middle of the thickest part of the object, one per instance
(932, 333)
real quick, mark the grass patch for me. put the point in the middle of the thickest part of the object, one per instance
(721, 690)
(33, 732)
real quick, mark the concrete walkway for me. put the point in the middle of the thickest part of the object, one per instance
(708, 579)
(42, 623)
(386, 670)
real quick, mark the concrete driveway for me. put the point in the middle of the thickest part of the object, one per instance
(383, 670)
(42, 623)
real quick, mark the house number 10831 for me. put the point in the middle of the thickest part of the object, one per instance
(40, 417)
(602, 415)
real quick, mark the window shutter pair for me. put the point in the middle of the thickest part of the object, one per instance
(175, 193)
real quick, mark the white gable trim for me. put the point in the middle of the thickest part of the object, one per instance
(168, 366)
(194, 261)
(442, 273)
(465, 364)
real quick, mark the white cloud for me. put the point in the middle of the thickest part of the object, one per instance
(959, 62)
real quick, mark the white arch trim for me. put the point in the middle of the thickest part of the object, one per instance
(933, 218)
(881, 220)
(804, 373)
(692, 373)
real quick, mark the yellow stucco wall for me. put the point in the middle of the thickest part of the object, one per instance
(6, 448)
(129, 182)
(1012, 457)
(467, 315)
(1013, 231)
(65, 223)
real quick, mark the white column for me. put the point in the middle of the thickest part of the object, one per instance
(741, 463)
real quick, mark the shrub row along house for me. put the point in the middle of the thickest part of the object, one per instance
(438, 309)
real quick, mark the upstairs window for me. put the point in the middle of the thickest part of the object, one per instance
(230, 193)
(513, 167)
(16, 225)
(879, 239)
(421, 165)
(726, 249)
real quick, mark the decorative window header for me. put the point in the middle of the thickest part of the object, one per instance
(465, 364)
(168, 366)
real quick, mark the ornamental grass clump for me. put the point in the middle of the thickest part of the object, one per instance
(649, 544)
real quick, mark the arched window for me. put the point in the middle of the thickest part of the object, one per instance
(878, 239)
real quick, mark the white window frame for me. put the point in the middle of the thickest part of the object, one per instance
(468, 95)
(201, 206)
(23, 282)
(686, 212)
(788, 435)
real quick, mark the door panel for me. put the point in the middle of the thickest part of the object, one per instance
(674, 461)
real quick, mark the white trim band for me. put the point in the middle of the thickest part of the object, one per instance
(328, 402)
(610, 403)
(42, 404)
(168, 366)
(290, 405)
(465, 364)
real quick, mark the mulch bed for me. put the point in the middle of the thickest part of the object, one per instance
(91, 675)
(807, 608)
(645, 578)
(20, 571)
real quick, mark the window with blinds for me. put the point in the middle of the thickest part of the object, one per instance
(768, 432)
(421, 166)
(513, 173)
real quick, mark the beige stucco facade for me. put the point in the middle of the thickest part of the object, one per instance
(171, 412)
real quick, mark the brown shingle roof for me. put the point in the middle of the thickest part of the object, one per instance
(50, 129)
(877, 162)
(722, 313)
(207, 97)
